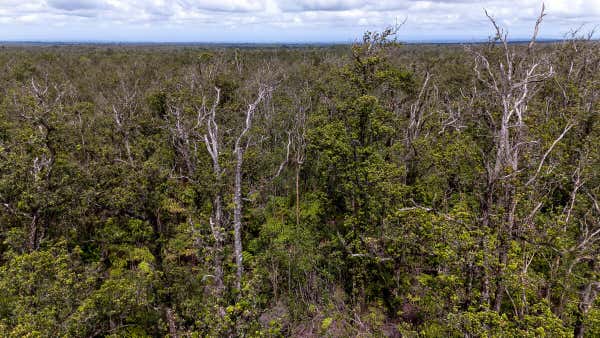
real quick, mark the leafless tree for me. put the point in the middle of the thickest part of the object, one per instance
(512, 79)
(585, 249)
(299, 144)
(126, 98)
(47, 101)
(241, 144)
(212, 141)
(186, 136)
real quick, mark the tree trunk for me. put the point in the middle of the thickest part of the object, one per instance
(237, 216)
(32, 243)
(505, 236)
(486, 209)
(297, 195)
(588, 297)
(171, 321)
(238, 150)
(216, 227)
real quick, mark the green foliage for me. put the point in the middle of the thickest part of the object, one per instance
(40, 291)
(370, 203)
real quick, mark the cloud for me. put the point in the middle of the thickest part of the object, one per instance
(224, 5)
(322, 5)
(341, 5)
(71, 5)
(280, 20)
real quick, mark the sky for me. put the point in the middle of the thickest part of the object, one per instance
(272, 21)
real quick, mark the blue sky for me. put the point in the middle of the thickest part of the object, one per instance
(281, 20)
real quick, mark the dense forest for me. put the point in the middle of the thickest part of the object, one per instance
(374, 189)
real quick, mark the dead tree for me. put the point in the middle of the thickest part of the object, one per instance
(187, 137)
(241, 144)
(126, 98)
(585, 250)
(298, 142)
(419, 113)
(48, 101)
(512, 80)
(212, 142)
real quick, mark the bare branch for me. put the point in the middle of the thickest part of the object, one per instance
(560, 137)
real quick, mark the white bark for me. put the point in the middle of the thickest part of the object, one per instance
(211, 140)
(239, 150)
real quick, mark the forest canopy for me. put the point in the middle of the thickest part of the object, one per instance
(377, 189)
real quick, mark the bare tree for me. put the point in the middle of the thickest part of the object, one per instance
(299, 143)
(126, 98)
(585, 249)
(420, 111)
(187, 137)
(241, 144)
(212, 142)
(48, 100)
(511, 80)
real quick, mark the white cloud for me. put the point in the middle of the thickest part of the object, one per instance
(70, 5)
(279, 20)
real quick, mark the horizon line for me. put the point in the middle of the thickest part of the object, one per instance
(274, 42)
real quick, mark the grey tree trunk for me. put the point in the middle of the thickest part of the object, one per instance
(241, 144)
(237, 217)
(212, 142)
